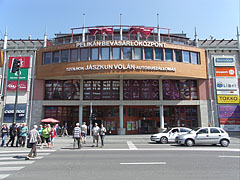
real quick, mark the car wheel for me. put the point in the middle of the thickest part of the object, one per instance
(224, 143)
(164, 140)
(189, 142)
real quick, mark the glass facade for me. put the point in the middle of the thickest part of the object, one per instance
(128, 53)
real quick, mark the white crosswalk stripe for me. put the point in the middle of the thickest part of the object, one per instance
(11, 161)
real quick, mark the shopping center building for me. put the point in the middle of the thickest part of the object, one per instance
(133, 79)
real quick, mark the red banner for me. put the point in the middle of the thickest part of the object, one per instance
(12, 86)
(225, 71)
(24, 61)
(229, 121)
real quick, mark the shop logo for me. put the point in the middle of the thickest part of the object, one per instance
(219, 84)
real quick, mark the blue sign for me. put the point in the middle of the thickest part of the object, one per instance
(9, 113)
(224, 60)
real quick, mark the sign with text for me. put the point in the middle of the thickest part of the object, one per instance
(24, 61)
(9, 113)
(14, 76)
(226, 84)
(225, 72)
(228, 99)
(120, 43)
(224, 61)
(12, 86)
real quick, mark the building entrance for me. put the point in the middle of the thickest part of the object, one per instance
(180, 116)
(106, 115)
(141, 119)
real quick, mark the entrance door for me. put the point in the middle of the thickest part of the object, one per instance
(146, 126)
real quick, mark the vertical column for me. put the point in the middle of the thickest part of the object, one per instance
(161, 118)
(121, 130)
(80, 113)
(161, 128)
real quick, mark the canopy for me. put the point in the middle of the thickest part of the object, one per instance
(50, 120)
(100, 30)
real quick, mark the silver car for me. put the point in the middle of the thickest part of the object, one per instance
(169, 135)
(204, 135)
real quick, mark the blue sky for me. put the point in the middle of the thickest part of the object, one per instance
(218, 18)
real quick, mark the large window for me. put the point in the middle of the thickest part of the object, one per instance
(195, 58)
(178, 55)
(158, 54)
(64, 55)
(186, 56)
(115, 53)
(62, 89)
(84, 54)
(148, 53)
(94, 54)
(168, 55)
(180, 90)
(105, 54)
(74, 55)
(137, 53)
(140, 90)
(55, 57)
(101, 90)
(127, 53)
(47, 57)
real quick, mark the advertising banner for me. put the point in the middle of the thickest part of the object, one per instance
(9, 113)
(24, 61)
(228, 99)
(224, 61)
(225, 72)
(229, 112)
(226, 83)
(13, 76)
(230, 124)
(12, 86)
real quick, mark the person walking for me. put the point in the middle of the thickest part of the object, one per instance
(13, 133)
(65, 130)
(23, 135)
(4, 132)
(19, 138)
(95, 133)
(77, 135)
(84, 132)
(53, 135)
(46, 136)
(40, 133)
(102, 133)
(33, 139)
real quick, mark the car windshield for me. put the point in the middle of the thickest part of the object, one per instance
(166, 131)
(194, 130)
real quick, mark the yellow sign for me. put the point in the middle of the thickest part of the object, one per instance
(228, 99)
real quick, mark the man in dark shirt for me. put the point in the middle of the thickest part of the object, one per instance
(19, 138)
(13, 133)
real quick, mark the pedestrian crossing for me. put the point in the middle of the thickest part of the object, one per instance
(12, 161)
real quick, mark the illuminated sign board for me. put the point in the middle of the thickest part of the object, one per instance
(225, 72)
(226, 84)
(24, 61)
(228, 99)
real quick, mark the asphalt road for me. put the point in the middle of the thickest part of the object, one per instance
(128, 158)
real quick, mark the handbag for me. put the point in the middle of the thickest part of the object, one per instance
(29, 145)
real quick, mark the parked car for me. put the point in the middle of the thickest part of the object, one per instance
(204, 135)
(169, 135)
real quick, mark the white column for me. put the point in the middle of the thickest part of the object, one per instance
(121, 130)
(80, 114)
(161, 118)
(121, 116)
(81, 90)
